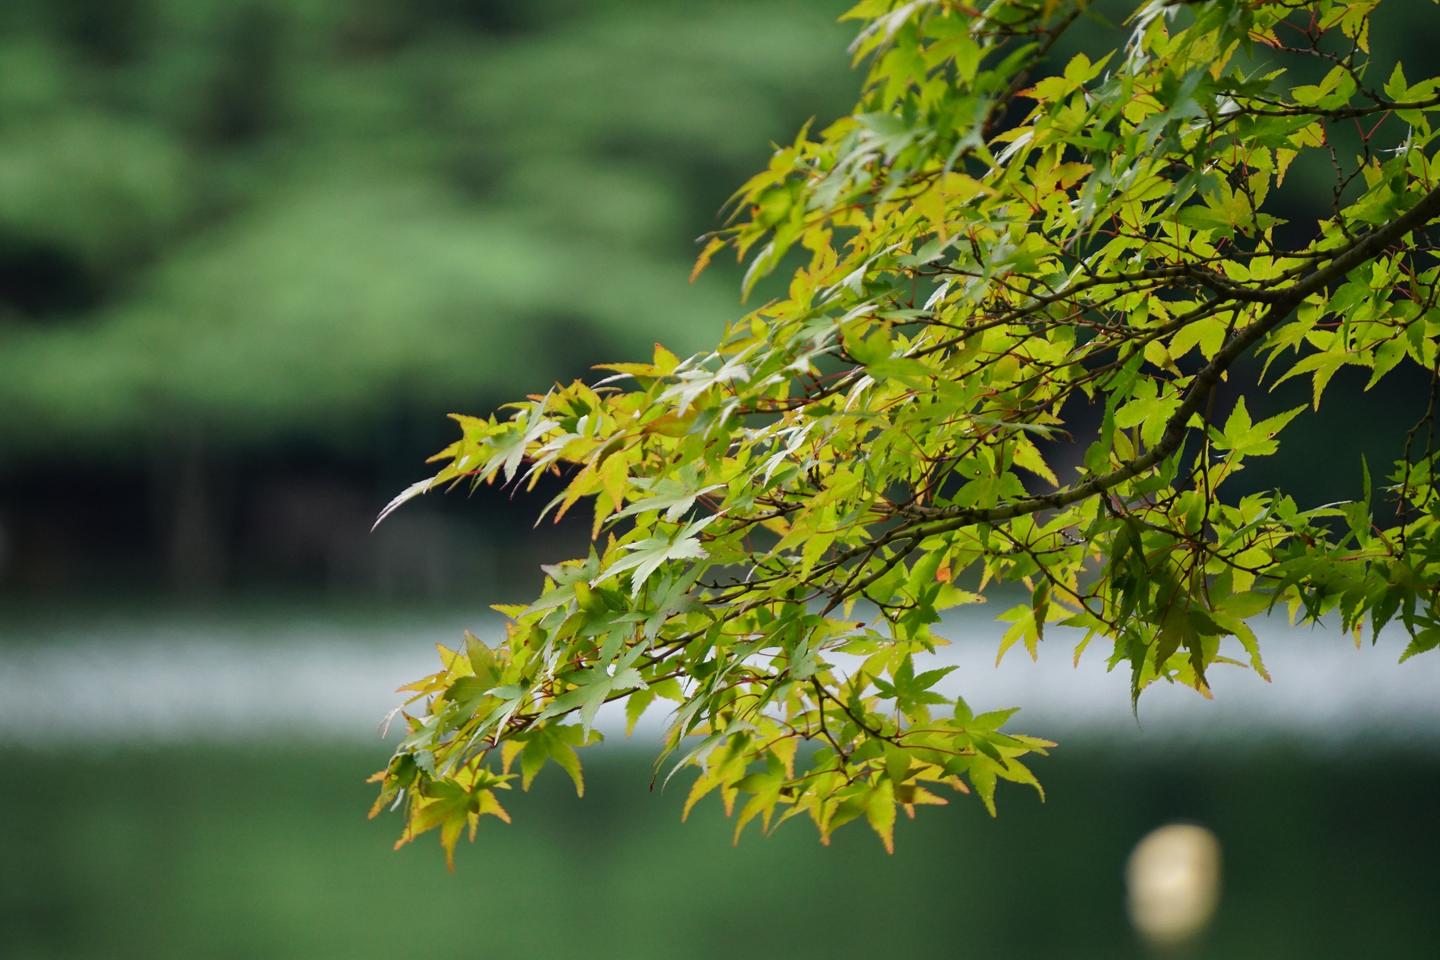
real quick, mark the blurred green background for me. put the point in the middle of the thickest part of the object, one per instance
(251, 252)
(144, 854)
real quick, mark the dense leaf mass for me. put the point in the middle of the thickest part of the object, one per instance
(997, 251)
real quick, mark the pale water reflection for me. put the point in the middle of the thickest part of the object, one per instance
(309, 678)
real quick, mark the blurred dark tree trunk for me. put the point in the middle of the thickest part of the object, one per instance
(189, 511)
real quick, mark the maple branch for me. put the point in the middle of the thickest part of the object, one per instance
(1283, 303)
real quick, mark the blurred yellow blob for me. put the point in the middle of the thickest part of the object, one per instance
(1173, 878)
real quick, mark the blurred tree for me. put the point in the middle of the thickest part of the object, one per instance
(238, 194)
(994, 241)
(228, 230)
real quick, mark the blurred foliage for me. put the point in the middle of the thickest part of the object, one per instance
(277, 218)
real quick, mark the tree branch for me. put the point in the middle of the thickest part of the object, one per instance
(1283, 303)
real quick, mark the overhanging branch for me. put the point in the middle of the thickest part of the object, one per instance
(1283, 304)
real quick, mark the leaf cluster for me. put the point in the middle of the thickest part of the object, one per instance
(1022, 287)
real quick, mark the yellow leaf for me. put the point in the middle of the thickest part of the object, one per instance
(508, 751)
(1026, 455)
(665, 361)
(880, 812)
(703, 261)
(703, 784)
(490, 805)
(612, 477)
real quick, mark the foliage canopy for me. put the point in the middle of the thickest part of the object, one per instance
(1021, 287)
(266, 221)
